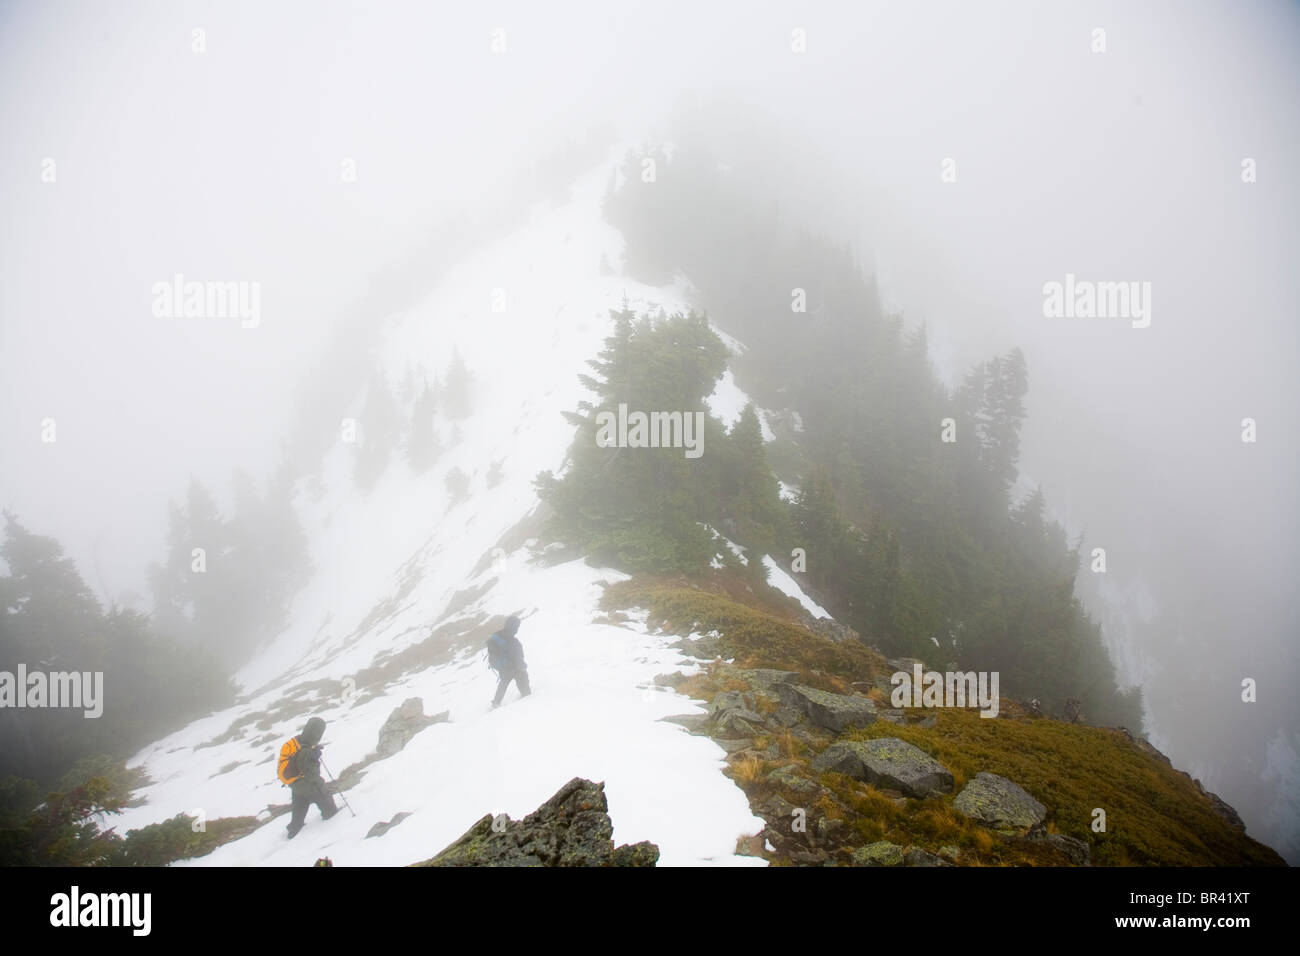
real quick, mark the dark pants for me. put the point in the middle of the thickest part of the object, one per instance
(520, 677)
(305, 793)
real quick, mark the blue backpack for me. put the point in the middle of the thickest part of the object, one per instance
(498, 653)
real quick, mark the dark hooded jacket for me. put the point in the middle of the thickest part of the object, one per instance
(510, 652)
(307, 759)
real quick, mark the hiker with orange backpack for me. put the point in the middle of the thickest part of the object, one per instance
(299, 770)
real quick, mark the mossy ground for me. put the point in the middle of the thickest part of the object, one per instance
(1155, 815)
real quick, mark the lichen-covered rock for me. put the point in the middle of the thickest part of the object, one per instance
(731, 715)
(998, 803)
(644, 853)
(915, 856)
(835, 712)
(840, 757)
(724, 701)
(785, 716)
(787, 778)
(886, 762)
(832, 832)
(883, 853)
(572, 828)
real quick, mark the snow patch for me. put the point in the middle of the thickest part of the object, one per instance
(786, 585)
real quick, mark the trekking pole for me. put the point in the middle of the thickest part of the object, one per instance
(340, 792)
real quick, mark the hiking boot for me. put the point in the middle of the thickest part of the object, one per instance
(326, 815)
(294, 830)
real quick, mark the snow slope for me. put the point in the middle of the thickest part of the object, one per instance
(411, 580)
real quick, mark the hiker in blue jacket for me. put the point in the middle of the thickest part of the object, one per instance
(506, 657)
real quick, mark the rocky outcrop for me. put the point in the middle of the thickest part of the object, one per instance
(998, 803)
(1223, 810)
(572, 828)
(889, 763)
(1218, 806)
(833, 712)
(402, 724)
(732, 715)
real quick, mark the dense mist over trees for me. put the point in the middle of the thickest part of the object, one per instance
(856, 207)
(905, 510)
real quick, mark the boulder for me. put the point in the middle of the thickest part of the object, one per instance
(883, 853)
(644, 853)
(888, 763)
(835, 712)
(832, 832)
(785, 716)
(402, 724)
(842, 757)
(1072, 848)
(572, 828)
(998, 803)
(379, 829)
(731, 715)
(915, 856)
(724, 701)
(785, 777)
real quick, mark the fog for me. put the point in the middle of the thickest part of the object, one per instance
(234, 163)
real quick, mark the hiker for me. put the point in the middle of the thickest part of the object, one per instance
(299, 769)
(506, 657)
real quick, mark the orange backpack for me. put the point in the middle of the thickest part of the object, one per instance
(287, 753)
